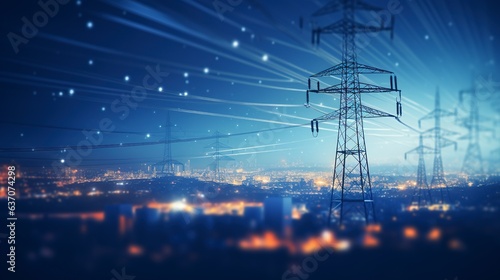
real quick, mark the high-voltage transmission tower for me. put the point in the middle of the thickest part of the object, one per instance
(218, 156)
(422, 196)
(473, 161)
(439, 135)
(351, 196)
(168, 164)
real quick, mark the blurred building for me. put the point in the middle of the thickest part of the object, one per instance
(146, 216)
(118, 218)
(278, 215)
(254, 215)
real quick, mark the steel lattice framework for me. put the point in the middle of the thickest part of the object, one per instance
(422, 196)
(480, 91)
(439, 135)
(351, 191)
(218, 156)
(168, 164)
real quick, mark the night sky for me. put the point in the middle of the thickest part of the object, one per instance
(238, 72)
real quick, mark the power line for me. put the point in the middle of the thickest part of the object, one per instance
(70, 128)
(138, 144)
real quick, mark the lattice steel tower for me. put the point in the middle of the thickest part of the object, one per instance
(422, 196)
(473, 161)
(168, 164)
(218, 156)
(480, 91)
(351, 196)
(438, 134)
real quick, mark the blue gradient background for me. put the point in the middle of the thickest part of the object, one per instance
(443, 44)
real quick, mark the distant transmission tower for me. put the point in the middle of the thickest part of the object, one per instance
(218, 156)
(438, 134)
(168, 164)
(473, 161)
(351, 191)
(422, 196)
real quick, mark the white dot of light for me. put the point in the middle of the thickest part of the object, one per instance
(148, 135)
(60, 93)
(62, 160)
(426, 37)
(91, 62)
(206, 70)
(127, 78)
(90, 25)
(103, 109)
(186, 74)
(160, 89)
(243, 29)
(235, 44)
(265, 57)
(71, 91)
(185, 93)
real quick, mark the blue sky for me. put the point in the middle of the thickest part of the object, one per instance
(245, 73)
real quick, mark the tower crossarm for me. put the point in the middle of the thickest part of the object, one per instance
(330, 116)
(480, 90)
(369, 112)
(445, 142)
(340, 27)
(436, 113)
(420, 150)
(430, 133)
(480, 128)
(363, 88)
(363, 69)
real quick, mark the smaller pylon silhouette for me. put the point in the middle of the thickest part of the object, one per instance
(218, 156)
(168, 164)
(422, 196)
(438, 134)
(481, 90)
